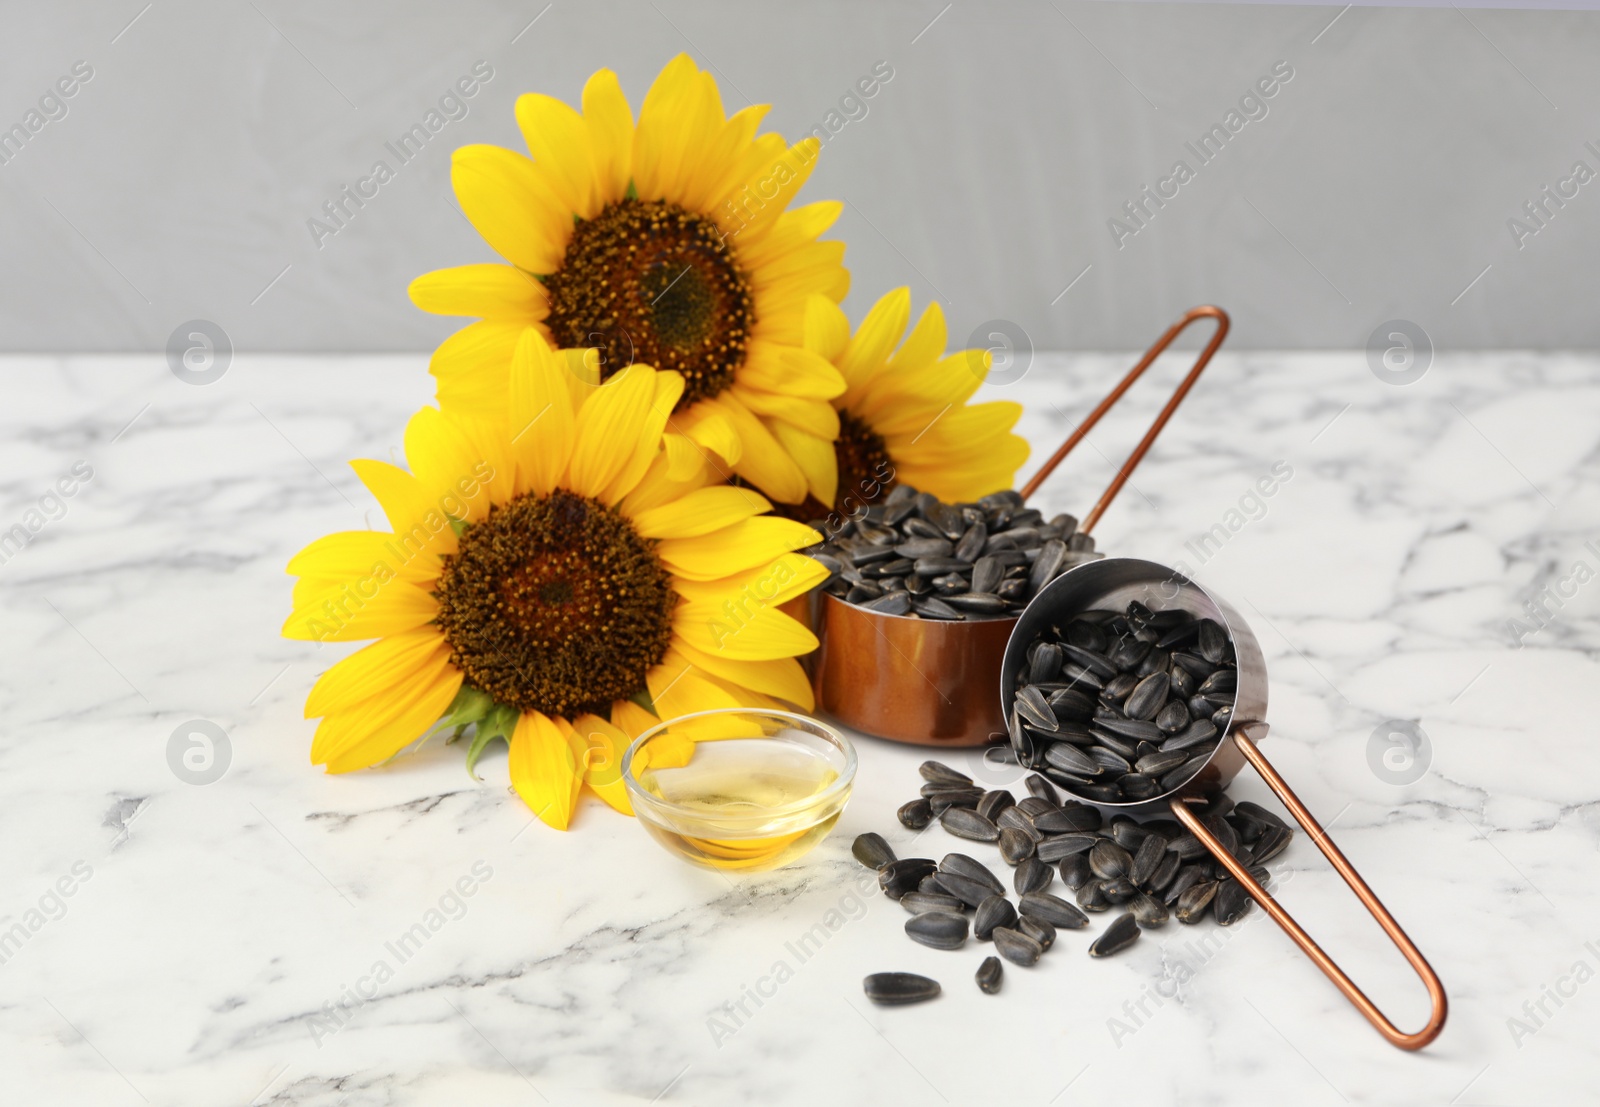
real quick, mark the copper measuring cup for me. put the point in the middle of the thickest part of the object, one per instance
(926, 682)
(1112, 583)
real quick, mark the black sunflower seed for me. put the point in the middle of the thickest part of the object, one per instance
(1148, 697)
(994, 802)
(980, 603)
(1015, 846)
(971, 868)
(992, 912)
(1122, 933)
(1120, 890)
(1032, 875)
(1034, 709)
(1152, 851)
(968, 891)
(893, 603)
(1069, 758)
(1149, 911)
(1195, 901)
(1109, 860)
(963, 822)
(872, 850)
(989, 975)
(1232, 902)
(1166, 872)
(895, 988)
(1071, 818)
(938, 929)
(1043, 789)
(1060, 846)
(920, 903)
(1213, 643)
(1092, 896)
(1272, 842)
(916, 814)
(1037, 929)
(1017, 947)
(1075, 871)
(902, 876)
(1053, 910)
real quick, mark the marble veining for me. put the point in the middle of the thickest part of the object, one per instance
(279, 936)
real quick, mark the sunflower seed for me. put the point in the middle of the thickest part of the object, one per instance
(1233, 902)
(1223, 680)
(1137, 729)
(1047, 564)
(1075, 871)
(1096, 663)
(1122, 933)
(1015, 846)
(1166, 872)
(920, 903)
(872, 850)
(1032, 875)
(895, 988)
(1187, 877)
(1172, 718)
(973, 869)
(968, 891)
(963, 822)
(1109, 860)
(1195, 901)
(1272, 842)
(893, 603)
(1092, 896)
(989, 975)
(1045, 663)
(1015, 818)
(902, 876)
(938, 929)
(945, 799)
(1213, 643)
(1053, 910)
(924, 547)
(1120, 890)
(992, 912)
(1150, 854)
(1017, 947)
(1161, 762)
(1198, 733)
(916, 814)
(1071, 818)
(1037, 929)
(1150, 911)
(861, 593)
(1057, 847)
(994, 802)
(1033, 708)
(1148, 697)
(1259, 813)
(1043, 789)
(1069, 758)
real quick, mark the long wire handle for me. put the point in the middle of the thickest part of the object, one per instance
(1207, 311)
(1436, 996)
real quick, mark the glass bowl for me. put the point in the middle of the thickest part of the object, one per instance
(739, 788)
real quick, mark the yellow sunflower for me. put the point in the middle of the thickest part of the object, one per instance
(670, 242)
(904, 416)
(558, 574)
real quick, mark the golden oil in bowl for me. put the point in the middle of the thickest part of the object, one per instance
(739, 789)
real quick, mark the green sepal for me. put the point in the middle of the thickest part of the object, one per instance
(469, 706)
(500, 722)
(459, 525)
(633, 191)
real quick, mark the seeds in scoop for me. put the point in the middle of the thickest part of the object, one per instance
(1034, 710)
(872, 851)
(1053, 910)
(992, 912)
(1015, 846)
(902, 876)
(1122, 933)
(966, 823)
(896, 988)
(1196, 901)
(938, 929)
(1173, 717)
(1045, 663)
(920, 903)
(1032, 875)
(915, 815)
(1017, 947)
(1148, 697)
(989, 975)
(1069, 758)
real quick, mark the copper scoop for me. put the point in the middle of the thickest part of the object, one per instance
(1112, 583)
(930, 682)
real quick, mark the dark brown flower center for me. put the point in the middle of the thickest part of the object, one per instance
(555, 604)
(646, 281)
(866, 474)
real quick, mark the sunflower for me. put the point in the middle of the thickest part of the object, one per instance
(559, 575)
(668, 242)
(904, 416)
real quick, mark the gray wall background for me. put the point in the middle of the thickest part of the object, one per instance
(180, 180)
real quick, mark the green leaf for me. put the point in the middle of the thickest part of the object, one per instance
(499, 723)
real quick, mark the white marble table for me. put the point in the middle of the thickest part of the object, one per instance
(211, 929)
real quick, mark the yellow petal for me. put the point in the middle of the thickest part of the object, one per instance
(610, 122)
(744, 545)
(782, 678)
(366, 608)
(354, 554)
(385, 725)
(816, 417)
(540, 414)
(494, 291)
(762, 460)
(389, 663)
(776, 583)
(669, 387)
(875, 339)
(445, 461)
(412, 510)
(558, 139)
(603, 765)
(471, 366)
(816, 457)
(610, 428)
(761, 633)
(684, 456)
(790, 371)
(827, 328)
(633, 719)
(679, 118)
(700, 512)
(515, 211)
(545, 768)
(711, 428)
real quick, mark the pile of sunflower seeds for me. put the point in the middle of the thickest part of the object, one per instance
(915, 555)
(1151, 871)
(1119, 706)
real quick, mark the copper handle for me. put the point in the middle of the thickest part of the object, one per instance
(1329, 968)
(1207, 311)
